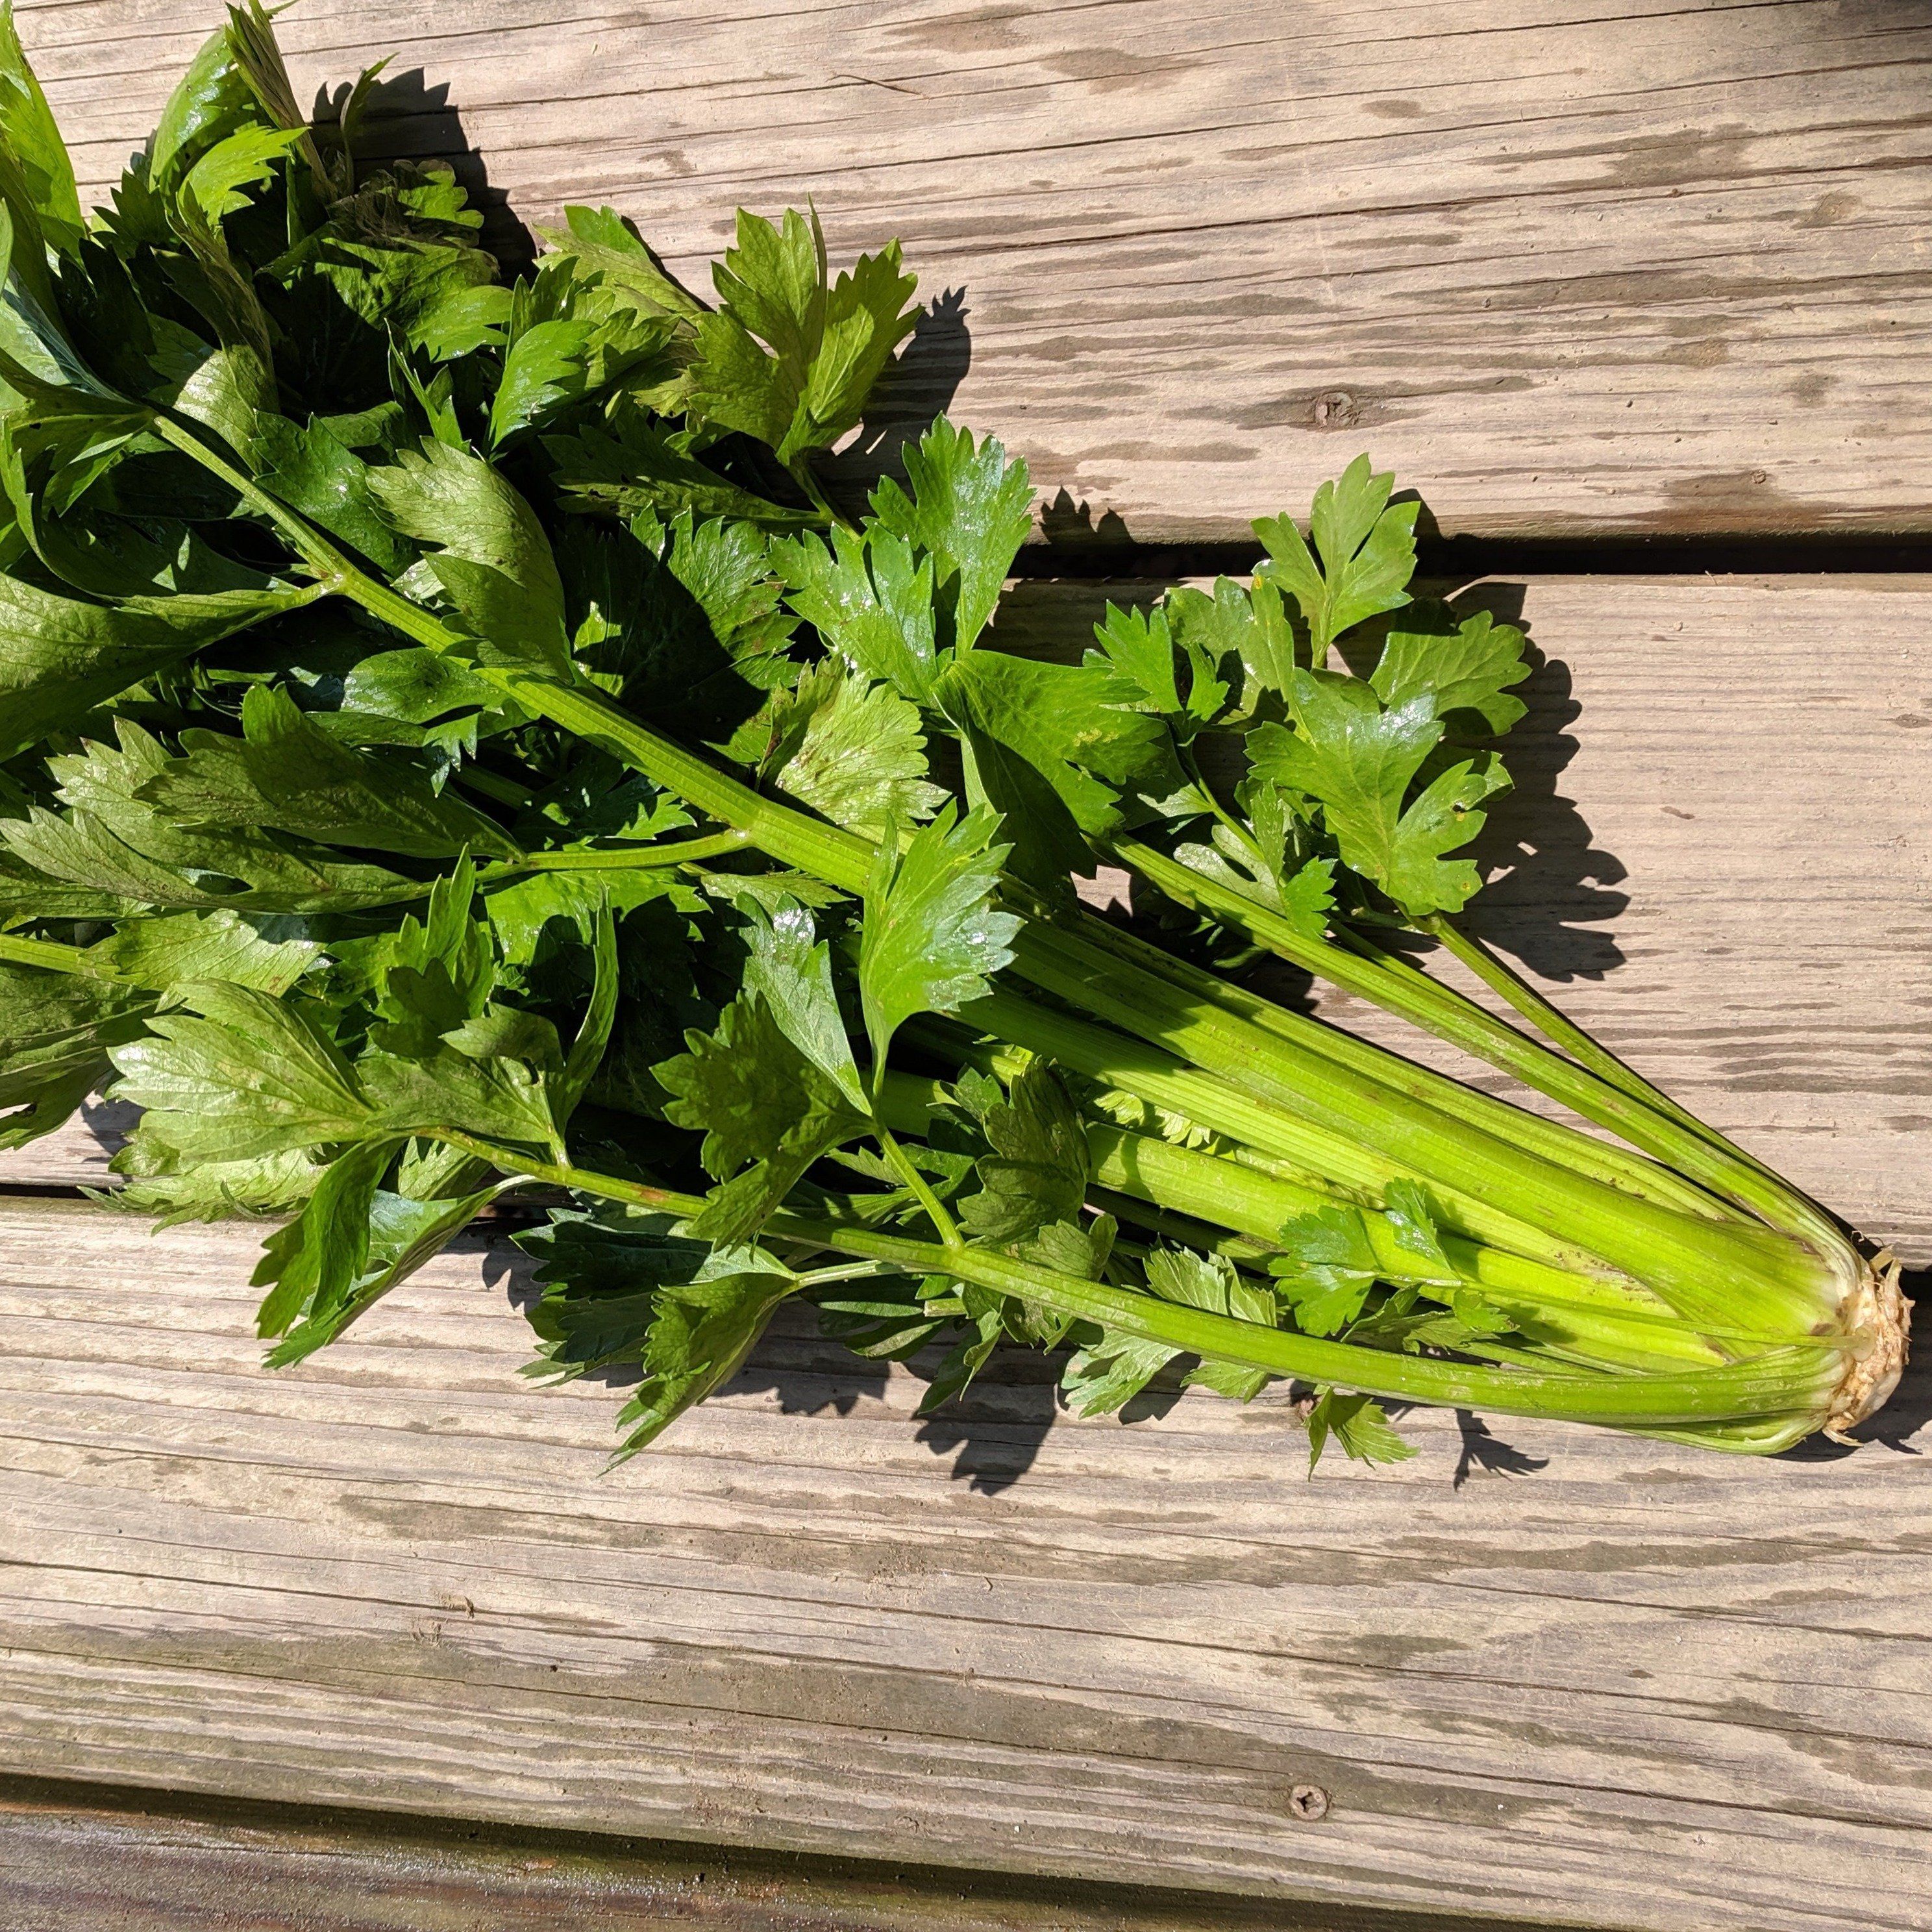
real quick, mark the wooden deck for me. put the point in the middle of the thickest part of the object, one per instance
(1577, 272)
(1569, 266)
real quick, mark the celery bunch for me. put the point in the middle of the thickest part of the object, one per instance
(455, 737)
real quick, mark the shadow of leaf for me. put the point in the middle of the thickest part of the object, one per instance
(403, 118)
(1482, 1450)
(919, 383)
(1074, 539)
(993, 1430)
(1549, 895)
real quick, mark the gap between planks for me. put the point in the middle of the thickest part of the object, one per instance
(75, 1858)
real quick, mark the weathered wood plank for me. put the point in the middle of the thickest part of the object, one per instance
(77, 1859)
(74, 1156)
(1627, 1685)
(1722, 862)
(1567, 267)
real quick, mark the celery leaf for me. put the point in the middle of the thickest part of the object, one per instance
(969, 510)
(1469, 668)
(490, 555)
(851, 750)
(790, 356)
(1358, 1423)
(931, 936)
(1366, 549)
(1358, 760)
(286, 771)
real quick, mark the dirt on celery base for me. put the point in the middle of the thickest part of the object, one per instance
(1877, 1306)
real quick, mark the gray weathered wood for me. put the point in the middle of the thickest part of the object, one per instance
(1630, 1685)
(1567, 269)
(1566, 266)
(74, 1156)
(1722, 863)
(74, 1859)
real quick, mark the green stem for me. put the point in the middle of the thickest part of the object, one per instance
(1151, 1076)
(1196, 1194)
(1583, 1153)
(1794, 1387)
(901, 1162)
(494, 785)
(1704, 1269)
(840, 858)
(1208, 1187)
(1412, 995)
(830, 1277)
(1191, 765)
(628, 858)
(1133, 1210)
(53, 957)
(332, 566)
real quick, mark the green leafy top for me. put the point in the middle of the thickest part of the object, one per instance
(932, 937)
(1305, 789)
(1359, 761)
(1362, 558)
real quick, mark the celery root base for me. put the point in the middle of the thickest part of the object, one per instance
(1878, 1307)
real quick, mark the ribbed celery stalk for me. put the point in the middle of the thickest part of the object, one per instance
(1257, 1205)
(1399, 987)
(1700, 1267)
(1782, 1392)
(1591, 1318)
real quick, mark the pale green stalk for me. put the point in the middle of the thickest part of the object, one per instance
(1585, 1153)
(1703, 1268)
(53, 957)
(1256, 1205)
(624, 858)
(1403, 990)
(1165, 1079)
(1784, 1390)
(1620, 1322)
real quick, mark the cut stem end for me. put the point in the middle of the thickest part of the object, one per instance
(1877, 1306)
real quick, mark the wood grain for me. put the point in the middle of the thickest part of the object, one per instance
(77, 1859)
(1719, 858)
(1626, 1685)
(1568, 267)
